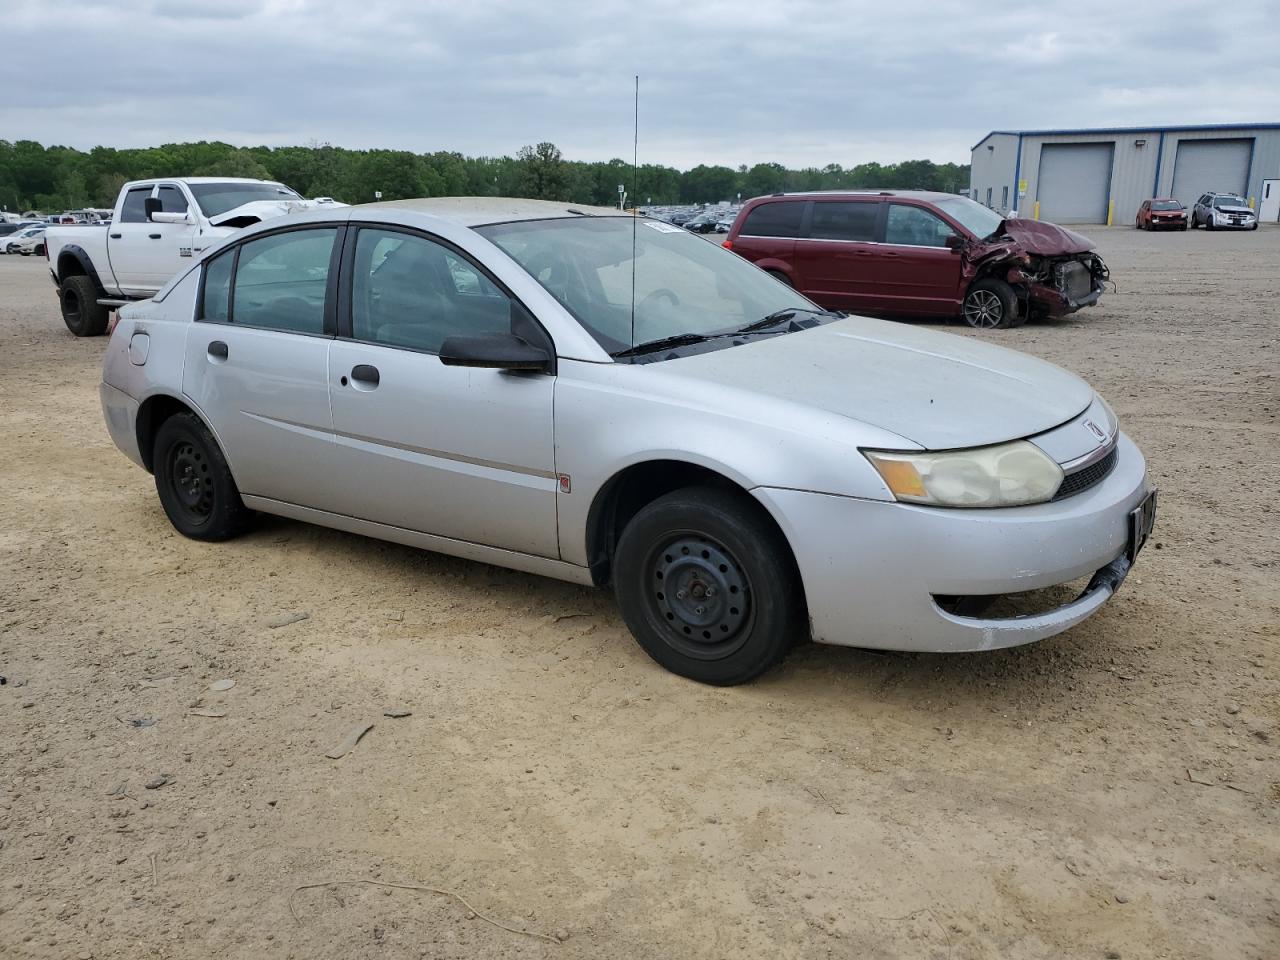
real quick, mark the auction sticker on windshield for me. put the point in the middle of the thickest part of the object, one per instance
(663, 227)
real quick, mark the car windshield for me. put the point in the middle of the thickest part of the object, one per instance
(1165, 205)
(973, 216)
(682, 284)
(1229, 202)
(216, 198)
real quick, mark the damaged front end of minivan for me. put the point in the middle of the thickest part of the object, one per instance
(1052, 271)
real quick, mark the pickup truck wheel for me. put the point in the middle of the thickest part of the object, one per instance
(80, 309)
(707, 586)
(989, 304)
(194, 483)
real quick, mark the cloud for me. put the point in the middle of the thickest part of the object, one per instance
(801, 82)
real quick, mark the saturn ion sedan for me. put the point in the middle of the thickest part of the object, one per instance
(607, 399)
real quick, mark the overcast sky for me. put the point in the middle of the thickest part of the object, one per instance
(723, 81)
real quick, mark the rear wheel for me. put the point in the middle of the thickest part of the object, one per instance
(80, 309)
(194, 483)
(991, 304)
(707, 586)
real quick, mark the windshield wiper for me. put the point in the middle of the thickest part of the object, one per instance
(650, 346)
(780, 316)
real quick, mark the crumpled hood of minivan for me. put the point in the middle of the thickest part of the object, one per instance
(938, 390)
(1042, 238)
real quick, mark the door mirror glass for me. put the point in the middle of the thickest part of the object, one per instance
(495, 351)
(151, 206)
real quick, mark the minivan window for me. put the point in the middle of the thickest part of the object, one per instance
(134, 209)
(844, 220)
(281, 280)
(781, 219)
(915, 227)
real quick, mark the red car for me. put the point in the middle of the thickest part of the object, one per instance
(919, 253)
(1161, 213)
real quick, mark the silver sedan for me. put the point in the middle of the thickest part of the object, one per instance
(605, 399)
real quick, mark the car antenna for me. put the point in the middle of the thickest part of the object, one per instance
(635, 192)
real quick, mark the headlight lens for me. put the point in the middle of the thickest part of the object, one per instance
(1006, 475)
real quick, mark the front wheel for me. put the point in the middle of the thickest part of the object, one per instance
(194, 483)
(706, 584)
(991, 304)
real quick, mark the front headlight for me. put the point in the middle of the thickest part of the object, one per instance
(1006, 475)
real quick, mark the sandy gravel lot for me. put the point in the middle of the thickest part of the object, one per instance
(1114, 792)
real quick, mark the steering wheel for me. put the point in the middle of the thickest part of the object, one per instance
(662, 293)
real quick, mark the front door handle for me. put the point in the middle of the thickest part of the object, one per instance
(218, 350)
(154, 236)
(366, 374)
(116, 236)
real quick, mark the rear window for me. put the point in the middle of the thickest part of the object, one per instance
(844, 220)
(781, 219)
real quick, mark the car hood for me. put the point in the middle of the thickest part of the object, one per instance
(937, 390)
(1041, 238)
(1234, 209)
(258, 210)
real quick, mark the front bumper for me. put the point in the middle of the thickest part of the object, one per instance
(871, 569)
(121, 414)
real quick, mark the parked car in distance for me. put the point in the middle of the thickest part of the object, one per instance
(1161, 213)
(26, 242)
(1223, 211)
(607, 400)
(703, 223)
(919, 253)
(156, 229)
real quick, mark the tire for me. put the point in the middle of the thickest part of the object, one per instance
(779, 275)
(39, 251)
(722, 542)
(80, 309)
(194, 483)
(991, 304)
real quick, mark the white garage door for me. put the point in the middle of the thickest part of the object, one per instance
(1074, 182)
(1204, 165)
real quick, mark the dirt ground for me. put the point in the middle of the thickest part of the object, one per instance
(1113, 792)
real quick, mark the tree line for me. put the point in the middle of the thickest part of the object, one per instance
(56, 178)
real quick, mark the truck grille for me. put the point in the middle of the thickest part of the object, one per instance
(1075, 280)
(1087, 477)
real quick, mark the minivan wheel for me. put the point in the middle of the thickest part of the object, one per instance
(707, 586)
(194, 483)
(81, 312)
(779, 275)
(989, 304)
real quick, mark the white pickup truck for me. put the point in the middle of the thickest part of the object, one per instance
(157, 227)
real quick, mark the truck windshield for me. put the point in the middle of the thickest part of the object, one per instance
(216, 198)
(682, 285)
(973, 216)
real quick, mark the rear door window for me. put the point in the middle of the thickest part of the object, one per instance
(781, 219)
(915, 227)
(841, 220)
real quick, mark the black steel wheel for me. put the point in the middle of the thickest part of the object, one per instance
(990, 304)
(81, 312)
(194, 483)
(707, 585)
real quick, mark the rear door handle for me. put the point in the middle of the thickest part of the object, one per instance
(218, 350)
(154, 236)
(365, 374)
(116, 236)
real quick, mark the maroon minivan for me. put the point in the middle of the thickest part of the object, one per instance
(918, 253)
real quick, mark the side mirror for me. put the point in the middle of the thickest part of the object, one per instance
(494, 351)
(151, 206)
(171, 217)
(955, 242)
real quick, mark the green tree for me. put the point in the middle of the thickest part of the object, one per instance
(542, 172)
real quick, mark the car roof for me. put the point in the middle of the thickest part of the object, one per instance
(476, 211)
(905, 194)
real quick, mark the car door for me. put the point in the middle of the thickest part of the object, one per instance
(257, 361)
(918, 274)
(835, 256)
(127, 241)
(457, 452)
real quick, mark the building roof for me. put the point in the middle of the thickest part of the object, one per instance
(1147, 129)
(474, 211)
